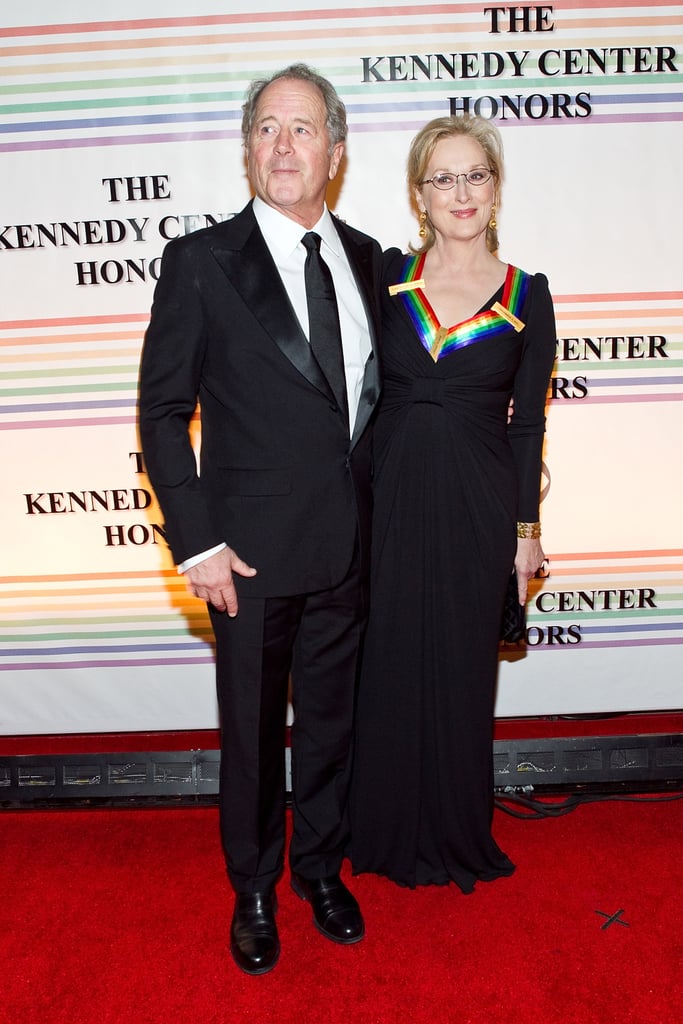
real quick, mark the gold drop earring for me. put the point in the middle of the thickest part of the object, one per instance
(423, 220)
(492, 220)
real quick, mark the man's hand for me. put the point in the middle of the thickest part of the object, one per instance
(211, 580)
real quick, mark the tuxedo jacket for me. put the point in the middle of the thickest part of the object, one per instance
(280, 480)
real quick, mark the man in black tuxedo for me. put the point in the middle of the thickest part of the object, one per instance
(273, 532)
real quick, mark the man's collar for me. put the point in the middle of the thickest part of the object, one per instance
(284, 234)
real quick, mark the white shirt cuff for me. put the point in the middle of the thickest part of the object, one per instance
(201, 557)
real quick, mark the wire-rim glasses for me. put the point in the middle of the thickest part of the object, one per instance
(444, 180)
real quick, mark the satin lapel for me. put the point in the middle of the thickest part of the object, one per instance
(361, 262)
(252, 272)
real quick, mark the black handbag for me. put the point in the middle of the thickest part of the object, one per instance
(513, 624)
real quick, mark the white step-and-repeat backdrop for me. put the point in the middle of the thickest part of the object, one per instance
(122, 132)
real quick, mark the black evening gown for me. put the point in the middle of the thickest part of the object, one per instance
(451, 481)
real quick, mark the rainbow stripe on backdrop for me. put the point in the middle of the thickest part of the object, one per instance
(82, 370)
(128, 619)
(98, 620)
(149, 81)
(70, 371)
(647, 378)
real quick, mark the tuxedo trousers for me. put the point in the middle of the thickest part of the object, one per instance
(314, 640)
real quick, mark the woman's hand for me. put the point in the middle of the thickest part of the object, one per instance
(528, 561)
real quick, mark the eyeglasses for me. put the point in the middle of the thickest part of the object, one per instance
(444, 180)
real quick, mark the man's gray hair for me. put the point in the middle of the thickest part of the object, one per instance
(336, 111)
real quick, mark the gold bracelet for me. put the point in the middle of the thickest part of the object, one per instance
(531, 530)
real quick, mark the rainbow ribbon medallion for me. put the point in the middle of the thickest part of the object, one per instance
(438, 340)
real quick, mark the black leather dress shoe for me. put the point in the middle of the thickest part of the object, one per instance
(335, 911)
(254, 941)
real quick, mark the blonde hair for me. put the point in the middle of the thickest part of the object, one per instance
(424, 144)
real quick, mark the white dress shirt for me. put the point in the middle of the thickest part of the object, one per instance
(283, 237)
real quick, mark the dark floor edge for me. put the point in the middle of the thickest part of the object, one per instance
(639, 762)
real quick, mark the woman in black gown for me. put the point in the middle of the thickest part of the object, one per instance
(456, 506)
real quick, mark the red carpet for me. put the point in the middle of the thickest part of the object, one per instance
(123, 915)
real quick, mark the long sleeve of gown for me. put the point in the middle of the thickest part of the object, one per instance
(527, 427)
